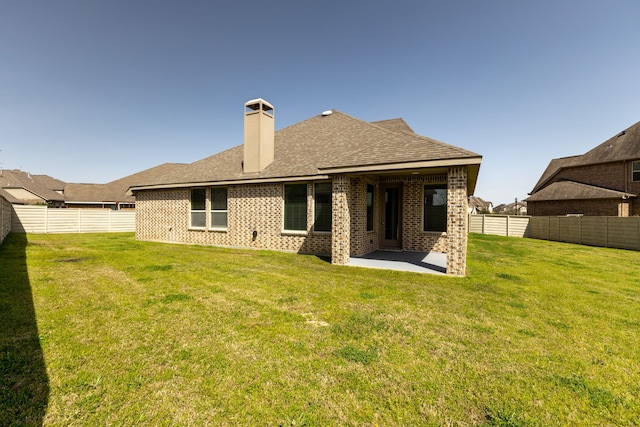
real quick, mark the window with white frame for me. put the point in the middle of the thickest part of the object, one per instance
(295, 207)
(218, 208)
(435, 208)
(322, 206)
(198, 206)
(635, 171)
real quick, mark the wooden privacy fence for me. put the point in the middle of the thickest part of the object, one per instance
(5, 218)
(501, 225)
(605, 231)
(40, 219)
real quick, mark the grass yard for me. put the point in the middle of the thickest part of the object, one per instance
(104, 330)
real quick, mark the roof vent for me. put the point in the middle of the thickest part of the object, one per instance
(327, 113)
(622, 133)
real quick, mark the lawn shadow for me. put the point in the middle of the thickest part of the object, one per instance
(24, 384)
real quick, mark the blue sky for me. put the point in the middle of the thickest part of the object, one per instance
(94, 91)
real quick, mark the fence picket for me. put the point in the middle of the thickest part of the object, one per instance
(40, 219)
(610, 232)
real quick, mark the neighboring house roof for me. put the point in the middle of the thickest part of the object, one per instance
(324, 144)
(623, 146)
(50, 182)
(37, 185)
(10, 198)
(569, 190)
(510, 207)
(114, 191)
(479, 203)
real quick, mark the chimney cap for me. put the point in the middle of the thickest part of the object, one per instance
(254, 104)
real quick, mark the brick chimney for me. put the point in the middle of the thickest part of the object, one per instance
(259, 129)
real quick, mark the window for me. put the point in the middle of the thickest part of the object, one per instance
(435, 208)
(198, 213)
(635, 172)
(295, 207)
(322, 207)
(369, 207)
(219, 208)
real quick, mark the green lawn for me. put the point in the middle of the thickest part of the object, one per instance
(103, 330)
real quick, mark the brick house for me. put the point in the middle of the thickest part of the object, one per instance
(330, 185)
(604, 181)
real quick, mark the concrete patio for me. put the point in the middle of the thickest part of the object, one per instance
(419, 262)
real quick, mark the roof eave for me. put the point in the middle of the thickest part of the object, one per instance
(131, 190)
(473, 162)
(422, 164)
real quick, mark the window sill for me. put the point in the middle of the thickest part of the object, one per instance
(197, 229)
(294, 233)
(322, 232)
(219, 230)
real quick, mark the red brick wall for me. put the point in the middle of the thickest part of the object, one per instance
(615, 176)
(608, 175)
(598, 207)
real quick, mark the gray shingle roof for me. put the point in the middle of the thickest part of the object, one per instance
(10, 198)
(398, 125)
(479, 203)
(570, 190)
(319, 144)
(115, 191)
(36, 184)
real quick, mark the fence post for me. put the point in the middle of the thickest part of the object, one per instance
(580, 220)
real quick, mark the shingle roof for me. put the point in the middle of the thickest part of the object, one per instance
(10, 198)
(36, 184)
(479, 203)
(115, 191)
(319, 144)
(50, 182)
(570, 190)
(623, 146)
(398, 125)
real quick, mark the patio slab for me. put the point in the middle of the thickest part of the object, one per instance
(419, 262)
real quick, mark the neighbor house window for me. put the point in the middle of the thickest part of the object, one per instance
(435, 208)
(369, 207)
(295, 207)
(322, 206)
(635, 170)
(219, 208)
(198, 213)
